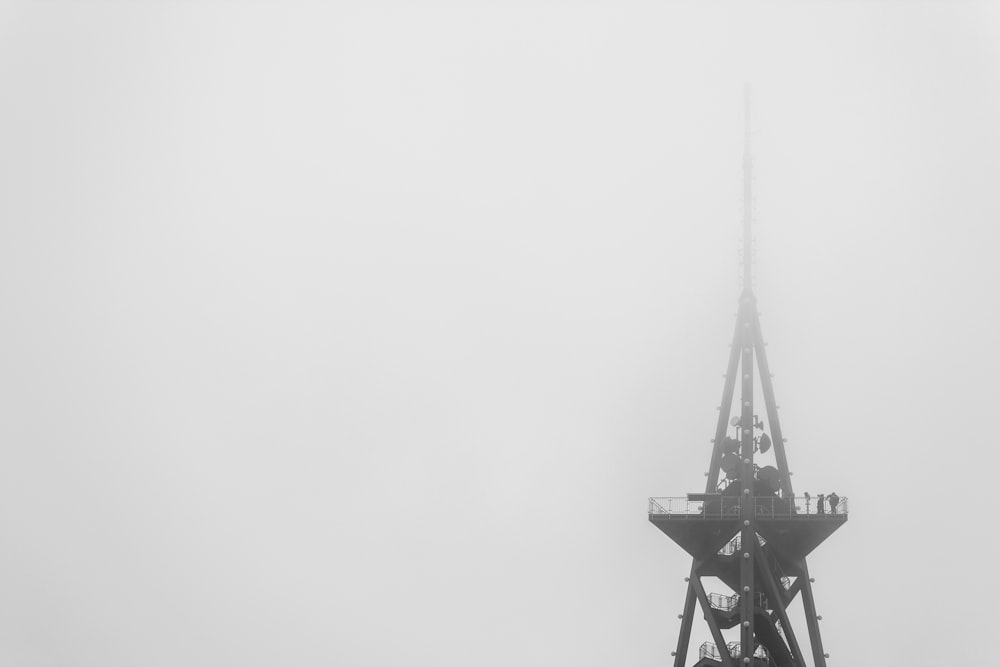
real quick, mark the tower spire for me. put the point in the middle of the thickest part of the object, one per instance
(747, 196)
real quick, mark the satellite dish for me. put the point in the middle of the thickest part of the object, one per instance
(730, 445)
(769, 478)
(735, 421)
(730, 465)
(765, 443)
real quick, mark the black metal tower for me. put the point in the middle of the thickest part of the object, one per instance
(749, 530)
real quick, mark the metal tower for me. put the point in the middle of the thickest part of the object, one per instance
(748, 530)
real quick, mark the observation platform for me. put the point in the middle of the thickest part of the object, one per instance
(703, 523)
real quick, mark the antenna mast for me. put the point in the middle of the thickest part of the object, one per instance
(747, 197)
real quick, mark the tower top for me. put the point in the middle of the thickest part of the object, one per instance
(747, 197)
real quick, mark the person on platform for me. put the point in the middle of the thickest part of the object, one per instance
(834, 501)
(808, 500)
(819, 504)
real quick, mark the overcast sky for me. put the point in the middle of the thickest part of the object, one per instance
(358, 333)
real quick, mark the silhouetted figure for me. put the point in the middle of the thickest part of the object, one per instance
(808, 500)
(819, 504)
(834, 501)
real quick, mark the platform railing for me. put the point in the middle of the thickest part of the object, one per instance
(729, 602)
(734, 545)
(725, 507)
(736, 651)
(723, 602)
(802, 506)
(711, 651)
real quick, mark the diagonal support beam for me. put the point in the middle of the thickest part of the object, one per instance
(773, 591)
(772, 410)
(684, 639)
(809, 607)
(706, 608)
(793, 590)
(724, 408)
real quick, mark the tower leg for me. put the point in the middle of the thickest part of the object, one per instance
(809, 605)
(728, 390)
(684, 639)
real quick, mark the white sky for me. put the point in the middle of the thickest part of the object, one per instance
(358, 333)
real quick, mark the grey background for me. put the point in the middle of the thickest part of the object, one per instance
(359, 333)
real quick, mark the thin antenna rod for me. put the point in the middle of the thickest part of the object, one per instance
(747, 197)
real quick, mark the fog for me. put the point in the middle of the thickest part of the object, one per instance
(359, 333)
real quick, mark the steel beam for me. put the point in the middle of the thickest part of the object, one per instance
(748, 535)
(809, 608)
(778, 442)
(724, 408)
(773, 589)
(720, 641)
(684, 638)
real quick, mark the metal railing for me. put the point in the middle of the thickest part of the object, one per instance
(723, 602)
(729, 602)
(710, 650)
(736, 650)
(802, 506)
(734, 545)
(724, 507)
